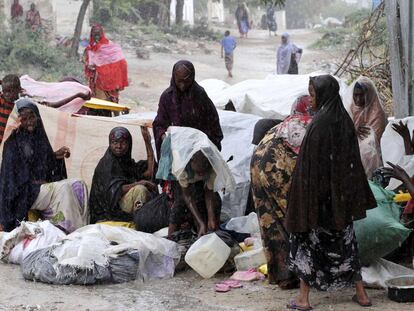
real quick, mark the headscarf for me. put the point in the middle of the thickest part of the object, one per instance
(111, 72)
(284, 55)
(192, 108)
(94, 46)
(110, 175)
(372, 114)
(27, 157)
(302, 106)
(329, 187)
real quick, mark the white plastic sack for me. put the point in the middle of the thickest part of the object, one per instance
(245, 224)
(48, 235)
(185, 142)
(27, 238)
(93, 244)
(381, 270)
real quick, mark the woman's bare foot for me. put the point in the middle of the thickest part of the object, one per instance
(361, 296)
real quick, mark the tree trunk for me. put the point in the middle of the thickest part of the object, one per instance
(164, 13)
(179, 12)
(78, 28)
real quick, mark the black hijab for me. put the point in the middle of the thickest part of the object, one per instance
(110, 175)
(329, 186)
(27, 157)
(192, 108)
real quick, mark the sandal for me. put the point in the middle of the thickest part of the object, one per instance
(222, 288)
(232, 283)
(293, 306)
(355, 299)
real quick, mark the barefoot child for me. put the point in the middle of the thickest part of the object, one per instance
(228, 44)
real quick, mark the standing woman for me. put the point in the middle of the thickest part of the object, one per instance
(243, 19)
(105, 66)
(329, 191)
(288, 57)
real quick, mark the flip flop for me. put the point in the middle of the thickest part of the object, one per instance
(222, 288)
(355, 299)
(293, 306)
(232, 283)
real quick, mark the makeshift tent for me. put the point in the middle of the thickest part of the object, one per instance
(268, 98)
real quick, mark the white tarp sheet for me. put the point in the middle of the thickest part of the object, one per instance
(392, 148)
(269, 98)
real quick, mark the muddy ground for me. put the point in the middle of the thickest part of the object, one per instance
(186, 292)
(254, 58)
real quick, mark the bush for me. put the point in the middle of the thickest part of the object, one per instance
(25, 52)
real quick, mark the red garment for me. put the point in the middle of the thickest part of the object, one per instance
(6, 109)
(409, 208)
(111, 69)
(16, 10)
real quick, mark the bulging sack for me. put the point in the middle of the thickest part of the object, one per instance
(381, 231)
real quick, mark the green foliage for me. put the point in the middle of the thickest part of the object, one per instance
(339, 9)
(25, 52)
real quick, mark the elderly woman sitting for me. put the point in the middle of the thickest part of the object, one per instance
(120, 185)
(33, 177)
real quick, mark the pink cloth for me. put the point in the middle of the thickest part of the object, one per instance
(107, 54)
(55, 91)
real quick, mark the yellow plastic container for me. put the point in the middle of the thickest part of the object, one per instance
(402, 197)
(124, 224)
(263, 269)
(245, 248)
(96, 103)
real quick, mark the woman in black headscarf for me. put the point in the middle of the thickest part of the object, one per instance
(120, 185)
(185, 103)
(33, 176)
(329, 191)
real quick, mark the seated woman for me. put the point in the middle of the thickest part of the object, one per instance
(120, 185)
(195, 196)
(32, 177)
(370, 121)
(271, 168)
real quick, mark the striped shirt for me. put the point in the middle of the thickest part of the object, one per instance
(6, 109)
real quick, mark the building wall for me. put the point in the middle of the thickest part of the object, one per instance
(188, 15)
(60, 15)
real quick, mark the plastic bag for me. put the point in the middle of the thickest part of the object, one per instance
(245, 224)
(382, 270)
(380, 232)
(153, 215)
(48, 235)
(100, 253)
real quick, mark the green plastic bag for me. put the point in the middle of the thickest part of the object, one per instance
(381, 231)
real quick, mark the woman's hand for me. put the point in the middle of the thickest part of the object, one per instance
(397, 172)
(62, 153)
(363, 132)
(404, 132)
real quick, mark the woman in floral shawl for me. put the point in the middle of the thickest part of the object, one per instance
(271, 168)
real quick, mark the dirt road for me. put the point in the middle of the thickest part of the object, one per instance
(255, 58)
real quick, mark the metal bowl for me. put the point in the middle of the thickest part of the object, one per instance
(401, 289)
